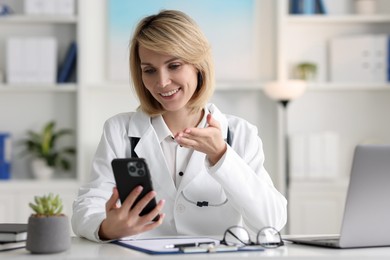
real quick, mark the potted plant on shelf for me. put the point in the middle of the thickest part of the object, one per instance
(306, 71)
(48, 229)
(47, 157)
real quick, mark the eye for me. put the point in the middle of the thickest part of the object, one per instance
(148, 70)
(174, 66)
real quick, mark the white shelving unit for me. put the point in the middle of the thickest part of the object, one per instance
(355, 111)
(29, 106)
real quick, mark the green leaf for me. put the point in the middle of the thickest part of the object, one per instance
(47, 205)
(43, 145)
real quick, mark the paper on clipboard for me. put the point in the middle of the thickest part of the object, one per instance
(158, 245)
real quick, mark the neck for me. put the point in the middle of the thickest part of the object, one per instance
(179, 120)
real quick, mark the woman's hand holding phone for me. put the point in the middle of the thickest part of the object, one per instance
(126, 220)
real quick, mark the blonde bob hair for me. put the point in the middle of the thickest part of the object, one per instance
(172, 33)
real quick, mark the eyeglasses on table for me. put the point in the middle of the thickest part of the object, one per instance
(267, 237)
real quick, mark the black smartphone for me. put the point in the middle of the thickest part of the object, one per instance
(130, 173)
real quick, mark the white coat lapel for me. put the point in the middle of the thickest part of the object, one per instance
(148, 147)
(197, 161)
(194, 168)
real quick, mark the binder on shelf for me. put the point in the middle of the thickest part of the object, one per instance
(320, 7)
(49, 7)
(298, 156)
(14, 59)
(65, 7)
(307, 7)
(5, 156)
(295, 7)
(31, 60)
(68, 66)
(388, 59)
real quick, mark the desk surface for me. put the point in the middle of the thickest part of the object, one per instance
(84, 249)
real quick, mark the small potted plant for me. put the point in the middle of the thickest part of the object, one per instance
(47, 157)
(48, 229)
(306, 71)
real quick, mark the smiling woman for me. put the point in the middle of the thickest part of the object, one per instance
(205, 166)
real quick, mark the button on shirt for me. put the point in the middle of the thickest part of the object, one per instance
(176, 157)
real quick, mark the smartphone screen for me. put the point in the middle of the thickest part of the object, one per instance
(130, 173)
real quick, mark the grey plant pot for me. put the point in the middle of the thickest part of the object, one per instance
(47, 235)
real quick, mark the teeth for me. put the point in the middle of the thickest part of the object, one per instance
(170, 93)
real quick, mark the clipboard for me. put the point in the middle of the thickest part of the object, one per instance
(158, 246)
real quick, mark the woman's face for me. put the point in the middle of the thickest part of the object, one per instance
(170, 80)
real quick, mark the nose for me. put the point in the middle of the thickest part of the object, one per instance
(163, 79)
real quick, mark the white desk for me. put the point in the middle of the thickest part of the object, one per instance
(84, 249)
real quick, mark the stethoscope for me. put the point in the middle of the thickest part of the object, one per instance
(203, 203)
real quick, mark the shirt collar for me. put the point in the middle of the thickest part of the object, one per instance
(161, 128)
(163, 131)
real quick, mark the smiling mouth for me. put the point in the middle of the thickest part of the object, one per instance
(170, 93)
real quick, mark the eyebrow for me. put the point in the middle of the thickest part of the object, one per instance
(166, 62)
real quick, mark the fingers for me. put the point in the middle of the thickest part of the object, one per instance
(143, 202)
(111, 203)
(129, 201)
(152, 214)
(200, 132)
(186, 138)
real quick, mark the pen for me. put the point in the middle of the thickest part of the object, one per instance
(189, 244)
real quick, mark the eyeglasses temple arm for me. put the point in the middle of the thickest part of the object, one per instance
(236, 237)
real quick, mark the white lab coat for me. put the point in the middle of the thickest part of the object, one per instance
(238, 188)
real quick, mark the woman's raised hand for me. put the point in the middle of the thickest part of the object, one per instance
(207, 140)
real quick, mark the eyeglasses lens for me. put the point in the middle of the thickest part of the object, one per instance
(237, 236)
(269, 238)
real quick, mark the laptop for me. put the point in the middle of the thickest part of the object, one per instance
(366, 221)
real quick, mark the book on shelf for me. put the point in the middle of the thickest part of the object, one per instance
(307, 7)
(5, 246)
(68, 66)
(388, 59)
(321, 7)
(5, 155)
(13, 232)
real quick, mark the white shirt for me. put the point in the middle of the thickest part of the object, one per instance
(176, 156)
